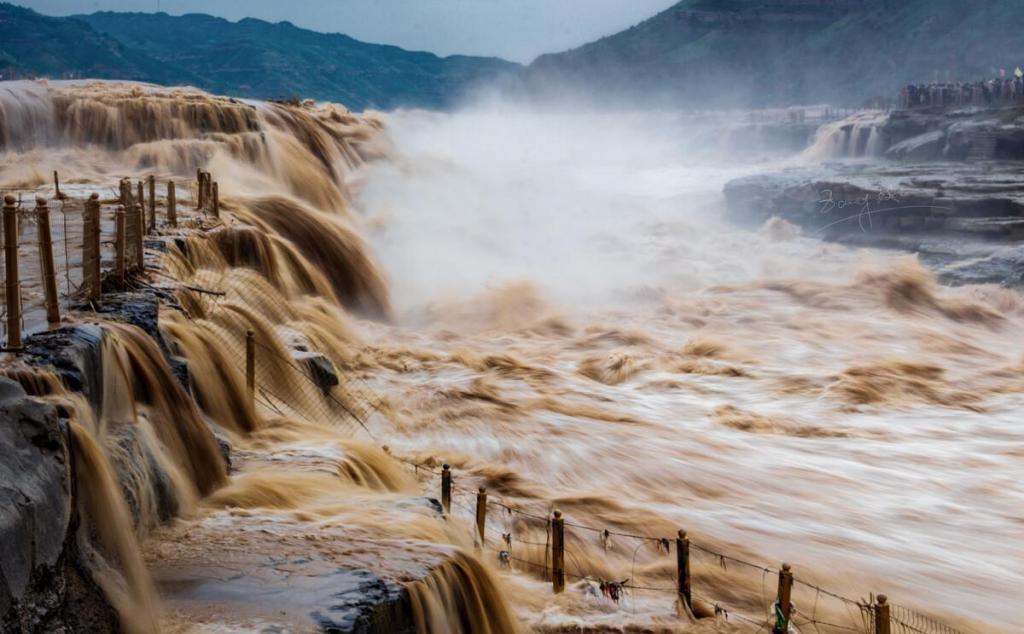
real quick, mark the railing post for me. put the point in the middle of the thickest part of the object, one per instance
(172, 205)
(250, 364)
(152, 203)
(56, 186)
(142, 204)
(481, 515)
(140, 250)
(683, 569)
(783, 606)
(446, 489)
(558, 553)
(46, 267)
(91, 248)
(129, 226)
(216, 200)
(882, 623)
(13, 287)
(199, 188)
(120, 245)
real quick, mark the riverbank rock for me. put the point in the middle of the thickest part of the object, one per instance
(44, 587)
(964, 217)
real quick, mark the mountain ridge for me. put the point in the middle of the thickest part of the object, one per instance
(780, 52)
(247, 58)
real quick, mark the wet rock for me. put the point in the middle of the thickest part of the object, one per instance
(73, 352)
(142, 479)
(362, 603)
(138, 309)
(224, 444)
(293, 593)
(911, 207)
(318, 368)
(43, 585)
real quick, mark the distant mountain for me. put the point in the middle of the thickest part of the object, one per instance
(742, 52)
(249, 58)
(33, 44)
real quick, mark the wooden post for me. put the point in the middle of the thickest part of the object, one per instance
(199, 189)
(13, 286)
(683, 569)
(142, 204)
(91, 248)
(783, 606)
(216, 200)
(446, 489)
(481, 515)
(46, 267)
(140, 250)
(56, 185)
(172, 205)
(882, 623)
(250, 364)
(152, 203)
(120, 244)
(129, 224)
(558, 553)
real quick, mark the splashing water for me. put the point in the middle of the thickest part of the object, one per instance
(575, 327)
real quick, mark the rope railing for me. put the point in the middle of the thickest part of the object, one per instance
(861, 616)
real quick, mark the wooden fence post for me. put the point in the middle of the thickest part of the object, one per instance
(558, 553)
(142, 204)
(56, 186)
(172, 205)
(446, 488)
(140, 250)
(13, 287)
(46, 267)
(683, 569)
(120, 245)
(882, 623)
(91, 248)
(783, 606)
(250, 365)
(129, 226)
(152, 203)
(481, 515)
(216, 200)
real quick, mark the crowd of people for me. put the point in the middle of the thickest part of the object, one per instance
(997, 91)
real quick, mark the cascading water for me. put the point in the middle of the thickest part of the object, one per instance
(572, 329)
(290, 266)
(858, 136)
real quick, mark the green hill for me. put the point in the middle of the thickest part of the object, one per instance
(740, 52)
(249, 58)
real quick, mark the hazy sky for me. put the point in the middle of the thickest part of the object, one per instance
(514, 29)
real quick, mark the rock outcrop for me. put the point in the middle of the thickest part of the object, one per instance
(964, 218)
(44, 585)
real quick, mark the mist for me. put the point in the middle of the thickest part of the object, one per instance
(589, 207)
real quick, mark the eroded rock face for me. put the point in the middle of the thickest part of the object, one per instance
(965, 220)
(43, 585)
